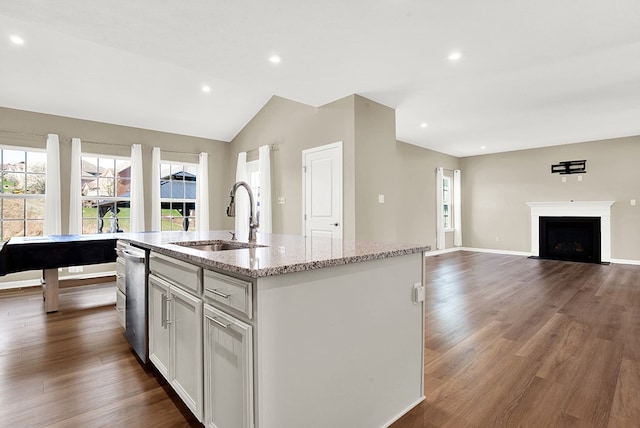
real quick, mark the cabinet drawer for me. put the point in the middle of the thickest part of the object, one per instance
(121, 269)
(121, 306)
(182, 274)
(230, 292)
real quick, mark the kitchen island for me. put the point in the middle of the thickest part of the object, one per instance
(289, 332)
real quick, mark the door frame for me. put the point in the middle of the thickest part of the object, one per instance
(336, 145)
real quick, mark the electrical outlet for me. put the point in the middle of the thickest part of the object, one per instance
(633, 202)
(564, 179)
(579, 178)
(282, 200)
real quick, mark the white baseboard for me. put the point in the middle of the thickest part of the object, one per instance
(477, 250)
(36, 282)
(514, 253)
(625, 262)
(19, 284)
(404, 412)
(438, 252)
(488, 250)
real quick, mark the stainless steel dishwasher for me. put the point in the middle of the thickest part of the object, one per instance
(137, 269)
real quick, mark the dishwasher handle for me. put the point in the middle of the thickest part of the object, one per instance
(134, 256)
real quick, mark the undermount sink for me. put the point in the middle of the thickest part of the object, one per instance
(217, 245)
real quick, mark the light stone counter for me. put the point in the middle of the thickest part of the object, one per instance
(274, 255)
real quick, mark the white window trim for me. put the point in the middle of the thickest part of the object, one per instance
(177, 200)
(103, 198)
(24, 196)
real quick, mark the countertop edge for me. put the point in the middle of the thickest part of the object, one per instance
(282, 269)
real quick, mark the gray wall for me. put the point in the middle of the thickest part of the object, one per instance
(416, 188)
(293, 127)
(497, 187)
(374, 164)
(375, 172)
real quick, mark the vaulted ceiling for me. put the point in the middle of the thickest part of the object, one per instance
(530, 74)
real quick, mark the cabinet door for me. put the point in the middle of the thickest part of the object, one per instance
(186, 348)
(158, 325)
(228, 371)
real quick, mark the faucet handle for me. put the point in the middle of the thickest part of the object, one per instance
(233, 236)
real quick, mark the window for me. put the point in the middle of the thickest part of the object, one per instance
(253, 180)
(446, 203)
(23, 192)
(178, 196)
(106, 186)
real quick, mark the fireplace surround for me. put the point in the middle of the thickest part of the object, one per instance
(576, 209)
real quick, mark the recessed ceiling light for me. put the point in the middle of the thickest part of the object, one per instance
(424, 125)
(275, 59)
(17, 40)
(483, 147)
(454, 56)
(206, 88)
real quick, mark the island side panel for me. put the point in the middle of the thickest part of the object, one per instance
(340, 346)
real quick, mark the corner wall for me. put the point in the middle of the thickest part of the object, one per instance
(294, 127)
(375, 171)
(416, 201)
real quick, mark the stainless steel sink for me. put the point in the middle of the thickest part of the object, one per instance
(217, 245)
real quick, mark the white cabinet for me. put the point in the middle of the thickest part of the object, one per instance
(228, 371)
(121, 290)
(158, 328)
(175, 339)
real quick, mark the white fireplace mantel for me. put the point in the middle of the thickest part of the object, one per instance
(600, 209)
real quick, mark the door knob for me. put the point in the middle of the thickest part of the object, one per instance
(335, 224)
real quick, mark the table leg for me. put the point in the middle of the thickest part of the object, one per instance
(50, 287)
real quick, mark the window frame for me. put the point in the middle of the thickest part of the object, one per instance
(447, 203)
(182, 166)
(254, 181)
(114, 199)
(25, 196)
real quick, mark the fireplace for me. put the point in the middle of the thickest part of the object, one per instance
(570, 238)
(576, 210)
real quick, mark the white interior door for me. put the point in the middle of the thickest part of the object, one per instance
(322, 188)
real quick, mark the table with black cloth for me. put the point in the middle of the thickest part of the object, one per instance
(48, 253)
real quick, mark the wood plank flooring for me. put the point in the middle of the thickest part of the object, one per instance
(517, 342)
(74, 368)
(510, 342)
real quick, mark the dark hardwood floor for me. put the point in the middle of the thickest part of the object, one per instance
(73, 368)
(517, 342)
(510, 342)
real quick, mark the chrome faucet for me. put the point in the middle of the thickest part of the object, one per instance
(231, 209)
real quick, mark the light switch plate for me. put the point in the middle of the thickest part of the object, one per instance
(381, 199)
(633, 202)
(418, 292)
(281, 200)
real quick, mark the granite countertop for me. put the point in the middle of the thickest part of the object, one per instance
(279, 254)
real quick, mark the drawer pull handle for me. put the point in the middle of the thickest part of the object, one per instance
(217, 293)
(168, 300)
(221, 324)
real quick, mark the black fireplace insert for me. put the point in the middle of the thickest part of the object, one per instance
(574, 239)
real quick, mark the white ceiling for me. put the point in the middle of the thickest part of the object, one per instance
(533, 74)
